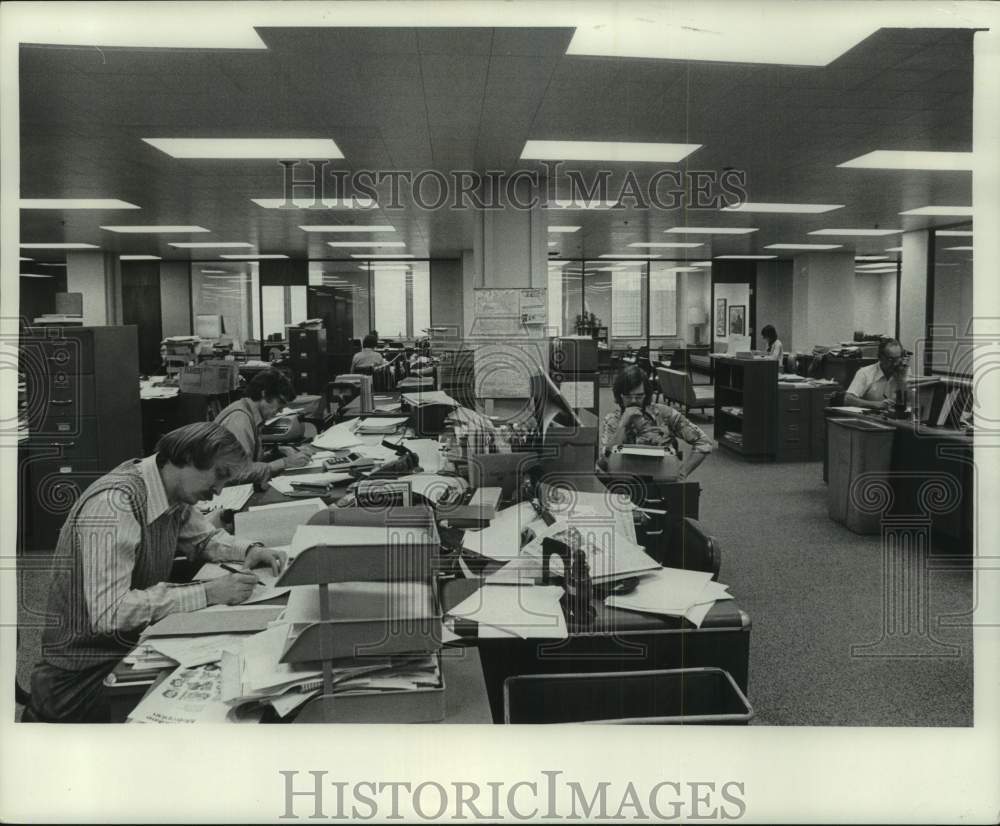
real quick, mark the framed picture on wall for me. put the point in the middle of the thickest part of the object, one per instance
(738, 320)
(720, 317)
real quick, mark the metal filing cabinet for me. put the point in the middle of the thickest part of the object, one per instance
(83, 419)
(794, 418)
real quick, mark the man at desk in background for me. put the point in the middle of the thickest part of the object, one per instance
(637, 422)
(877, 385)
(267, 393)
(367, 358)
(113, 560)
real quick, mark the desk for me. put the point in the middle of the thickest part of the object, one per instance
(653, 483)
(922, 456)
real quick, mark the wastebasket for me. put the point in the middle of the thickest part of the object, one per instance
(670, 696)
(856, 447)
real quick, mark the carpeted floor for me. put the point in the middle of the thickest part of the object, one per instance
(813, 590)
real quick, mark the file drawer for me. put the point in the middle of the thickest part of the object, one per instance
(794, 401)
(71, 353)
(56, 485)
(75, 436)
(67, 396)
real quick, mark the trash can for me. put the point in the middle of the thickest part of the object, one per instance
(679, 696)
(856, 447)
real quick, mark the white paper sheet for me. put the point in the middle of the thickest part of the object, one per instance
(191, 651)
(188, 695)
(275, 525)
(338, 437)
(232, 498)
(261, 592)
(529, 612)
(501, 539)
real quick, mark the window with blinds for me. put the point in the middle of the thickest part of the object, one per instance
(662, 303)
(626, 304)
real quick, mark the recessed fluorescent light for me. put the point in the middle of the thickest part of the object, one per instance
(757, 206)
(35, 275)
(745, 257)
(366, 243)
(961, 249)
(397, 255)
(154, 229)
(713, 230)
(667, 244)
(939, 210)
(564, 204)
(612, 255)
(347, 228)
(324, 203)
(681, 269)
(42, 264)
(606, 151)
(904, 159)
(388, 267)
(74, 203)
(216, 272)
(553, 243)
(802, 246)
(190, 245)
(59, 246)
(22, 258)
(246, 148)
(139, 258)
(954, 233)
(886, 265)
(871, 257)
(855, 231)
(252, 256)
(563, 228)
(700, 263)
(893, 249)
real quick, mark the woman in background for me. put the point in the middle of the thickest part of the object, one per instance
(774, 349)
(638, 422)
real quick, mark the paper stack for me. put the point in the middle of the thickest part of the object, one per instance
(528, 612)
(673, 592)
(380, 425)
(422, 398)
(232, 498)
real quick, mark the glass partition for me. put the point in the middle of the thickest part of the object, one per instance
(949, 316)
(223, 300)
(352, 280)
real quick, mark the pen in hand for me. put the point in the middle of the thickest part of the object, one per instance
(233, 570)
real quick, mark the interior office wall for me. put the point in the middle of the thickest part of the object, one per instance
(95, 274)
(141, 307)
(446, 295)
(875, 304)
(736, 295)
(175, 298)
(774, 300)
(951, 306)
(823, 308)
(913, 296)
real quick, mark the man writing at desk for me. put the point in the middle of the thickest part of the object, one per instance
(113, 560)
(877, 385)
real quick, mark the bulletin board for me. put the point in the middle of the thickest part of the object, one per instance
(505, 312)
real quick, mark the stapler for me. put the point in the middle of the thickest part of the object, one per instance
(283, 429)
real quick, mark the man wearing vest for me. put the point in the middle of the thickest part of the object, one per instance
(113, 560)
(267, 393)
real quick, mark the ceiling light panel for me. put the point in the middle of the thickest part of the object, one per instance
(59, 246)
(74, 203)
(713, 230)
(802, 246)
(366, 243)
(246, 148)
(155, 229)
(197, 245)
(563, 228)
(347, 228)
(312, 203)
(139, 258)
(744, 257)
(803, 209)
(940, 210)
(954, 233)
(609, 151)
(905, 159)
(251, 256)
(364, 255)
(859, 232)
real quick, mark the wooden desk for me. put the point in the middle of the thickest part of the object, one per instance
(925, 460)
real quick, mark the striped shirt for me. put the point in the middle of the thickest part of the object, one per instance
(660, 425)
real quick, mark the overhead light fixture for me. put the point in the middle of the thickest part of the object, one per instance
(871, 257)
(959, 249)
(680, 269)
(700, 263)
(22, 258)
(667, 244)
(954, 233)
(612, 255)
(246, 148)
(906, 159)
(215, 272)
(893, 249)
(874, 232)
(559, 203)
(713, 230)
(35, 275)
(805, 209)
(802, 246)
(347, 228)
(366, 243)
(308, 203)
(553, 243)
(198, 245)
(252, 256)
(397, 255)
(161, 229)
(939, 210)
(563, 228)
(745, 257)
(43, 264)
(885, 265)
(139, 258)
(610, 151)
(59, 246)
(74, 203)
